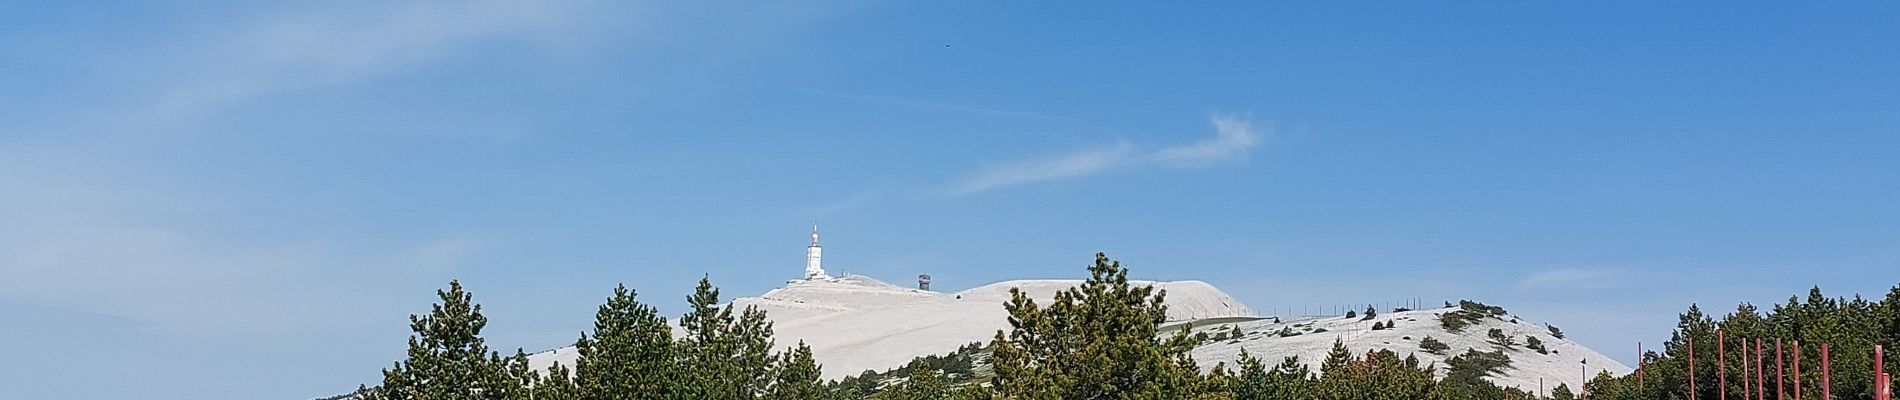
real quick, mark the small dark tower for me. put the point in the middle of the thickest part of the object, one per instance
(923, 282)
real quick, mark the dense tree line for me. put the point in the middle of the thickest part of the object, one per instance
(723, 354)
(1098, 340)
(1849, 326)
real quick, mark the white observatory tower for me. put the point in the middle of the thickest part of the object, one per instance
(814, 266)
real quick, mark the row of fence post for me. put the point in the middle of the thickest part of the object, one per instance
(1883, 381)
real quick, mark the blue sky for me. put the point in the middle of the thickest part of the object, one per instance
(246, 201)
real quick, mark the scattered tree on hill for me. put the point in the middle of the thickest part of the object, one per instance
(1370, 314)
(1533, 343)
(1468, 313)
(1433, 346)
(1499, 338)
(1554, 331)
(1100, 340)
(1352, 314)
(924, 383)
(1477, 364)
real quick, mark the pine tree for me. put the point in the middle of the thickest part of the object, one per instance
(1098, 340)
(447, 358)
(924, 383)
(1498, 337)
(1433, 346)
(557, 384)
(1378, 375)
(630, 356)
(752, 337)
(1254, 381)
(723, 357)
(707, 353)
(1562, 392)
(796, 376)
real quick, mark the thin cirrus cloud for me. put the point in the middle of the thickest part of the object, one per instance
(1577, 279)
(1234, 138)
(286, 54)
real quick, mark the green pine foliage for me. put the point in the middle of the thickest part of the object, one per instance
(1098, 340)
(796, 377)
(1255, 380)
(1562, 392)
(1474, 364)
(1376, 375)
(1850, 326)
(1468, 313)
(957, 366)
(1433, 346)
(722, 355)
(556, 384)
(630, 355)
(926, 383)
(447, 358)
(1499, 338)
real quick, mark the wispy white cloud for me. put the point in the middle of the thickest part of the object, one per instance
(97, 231)
(932, 104)
(338, 46)
(1577, 279)
(1072, 165)
(1234, 138)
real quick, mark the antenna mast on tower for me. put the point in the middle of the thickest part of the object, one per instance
(814, 255)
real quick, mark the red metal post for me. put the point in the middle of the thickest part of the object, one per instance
(1761, 385)
(1748, 391)
(1881, 391)
(1639, 365)
(1827, 375)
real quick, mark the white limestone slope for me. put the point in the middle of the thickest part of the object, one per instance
(1566, 363)
(855, 323)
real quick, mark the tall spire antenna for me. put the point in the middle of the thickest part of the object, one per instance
(814, 265)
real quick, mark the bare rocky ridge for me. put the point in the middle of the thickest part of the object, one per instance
(855, 323)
